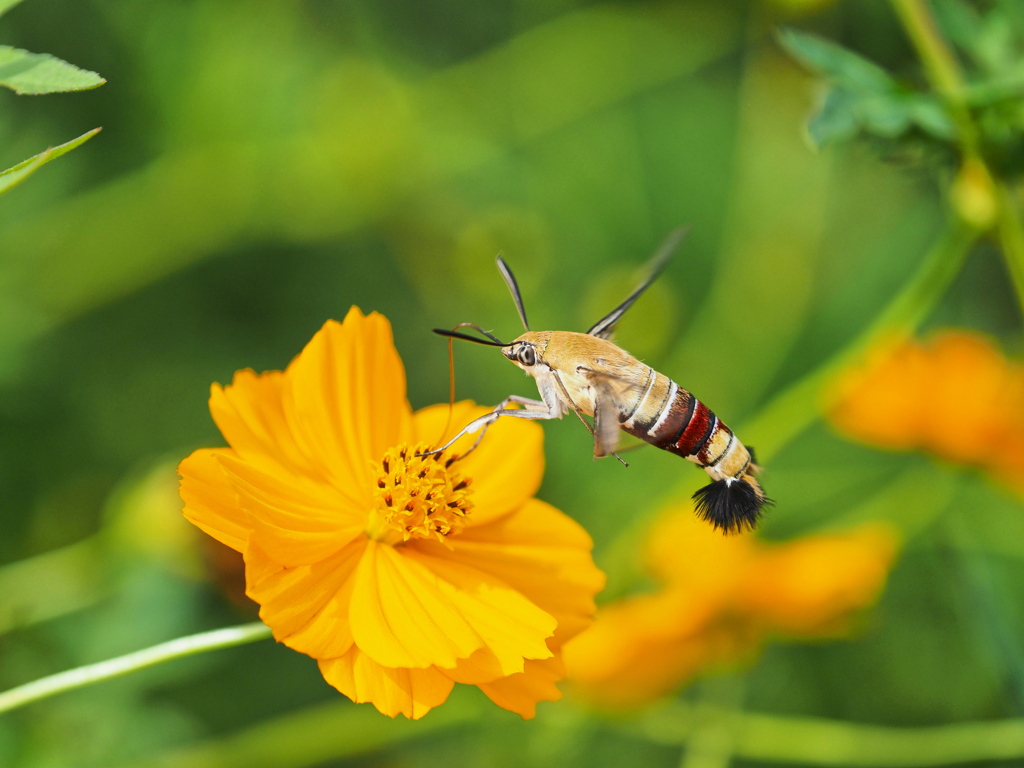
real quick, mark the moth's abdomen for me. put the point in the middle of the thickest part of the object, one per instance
(667, 416)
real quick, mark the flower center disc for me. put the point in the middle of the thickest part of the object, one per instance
(418, 497)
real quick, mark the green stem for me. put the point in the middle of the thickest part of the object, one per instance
(712, 738)
(1011, 237)
(52, 584)
(332, 732)
(786, 416)
(946, 77)
(816, 741)
(940, 65)
(132, 662)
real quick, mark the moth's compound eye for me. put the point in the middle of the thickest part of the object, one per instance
(527, 356)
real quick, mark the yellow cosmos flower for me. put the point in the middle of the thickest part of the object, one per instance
(718, 599)
(401, 575)
(956, 396)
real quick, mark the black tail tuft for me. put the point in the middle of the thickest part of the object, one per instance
(731, 507)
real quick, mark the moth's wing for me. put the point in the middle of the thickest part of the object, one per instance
(605, 327)
(610, 390)
(606, 426)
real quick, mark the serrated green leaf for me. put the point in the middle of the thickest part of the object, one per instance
(887, 116)
(864, 98)
(835, 63)
(33, 73)
(932, 117)
(959, 22)
(835, 121)
(843, 114)
(1013, 11)
(6, 5)
(17, 174)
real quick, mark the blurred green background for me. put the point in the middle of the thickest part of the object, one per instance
(265, 164)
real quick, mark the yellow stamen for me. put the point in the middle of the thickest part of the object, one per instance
(418, 497)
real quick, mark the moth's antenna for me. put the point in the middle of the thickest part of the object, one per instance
(513, 286)
(604, 327)
(451, 390)
(454, 334)
(494, 342)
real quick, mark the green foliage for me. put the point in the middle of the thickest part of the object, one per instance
(992, 47)
(36, 73)
(390, 151)
(28, 73)
(863, 99)
(17, 174)
(6, 5)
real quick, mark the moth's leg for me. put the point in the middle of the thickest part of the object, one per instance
(532, 409)
(603, 443)
(606, 428)
(526, 402)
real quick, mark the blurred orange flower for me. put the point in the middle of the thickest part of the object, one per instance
(401, 575)
(719, 598)
(955, 395)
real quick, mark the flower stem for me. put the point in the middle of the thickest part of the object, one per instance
(1011, 237)
(947, 79)
(936, 55)
(52, 584)
(941, 66)
(717, 714)
(132, 662)
(797, 407)
(820, 742)
(335, 732)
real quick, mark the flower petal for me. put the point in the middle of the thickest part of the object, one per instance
(402, 615)
(541, 553)
(812, 586)
(507, 465)
(345, 399)
(210, 501)
(306, 607)
(295, 522)
(413, 610)
(880, 399)
(482, 667)
(965, 368)
(682, 549)
(249, 414)
(643, 647)
(520, 693)
(393, 691)
(511, 626)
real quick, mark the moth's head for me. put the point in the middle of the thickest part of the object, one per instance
(527, 350)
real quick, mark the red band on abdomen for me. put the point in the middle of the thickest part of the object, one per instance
(679, 413)
(697, 431)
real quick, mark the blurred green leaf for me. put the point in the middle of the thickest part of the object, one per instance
(863, 98)
(6, 5)
(34, 73)
(835, 63)
(335, 730)
(817, 741)
(959, 22)
(834, 121)
(990, 40)
(349, 171)
(17, 174)
(930, 116)
(52, 584)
